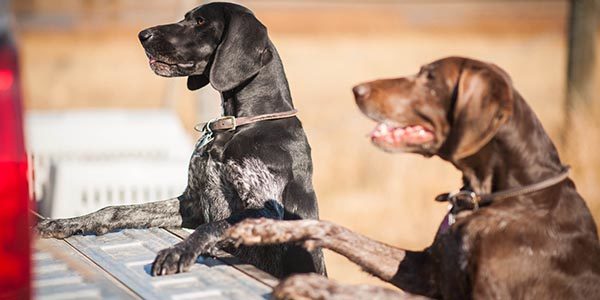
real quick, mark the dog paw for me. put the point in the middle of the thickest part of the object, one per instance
(305, 286)
(268, 231)
(176, 259)
(59, 229)
(313, 286)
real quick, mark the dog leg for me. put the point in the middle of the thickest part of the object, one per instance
(408, 270)
(313, 286)
(376, 258)
(155, 214)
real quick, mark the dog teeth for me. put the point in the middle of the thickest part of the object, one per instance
(389, 139)
(398, 133)
(186, 65)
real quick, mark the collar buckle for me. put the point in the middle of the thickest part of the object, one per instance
(224, 123)
(227, 123)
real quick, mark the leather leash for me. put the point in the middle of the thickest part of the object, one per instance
(469, 200)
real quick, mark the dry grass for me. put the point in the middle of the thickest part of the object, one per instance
(386, 197)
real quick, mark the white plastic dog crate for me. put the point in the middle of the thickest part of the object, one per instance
(88, 159)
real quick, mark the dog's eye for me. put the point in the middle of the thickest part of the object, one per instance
(430, 75)
(200, 20)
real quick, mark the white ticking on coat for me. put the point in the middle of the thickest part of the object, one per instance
(254, 183)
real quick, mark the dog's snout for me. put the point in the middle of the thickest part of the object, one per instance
(361, 91)
(145, 35)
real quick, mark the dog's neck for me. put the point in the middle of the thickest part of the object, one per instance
(502, 164)
(266, 92)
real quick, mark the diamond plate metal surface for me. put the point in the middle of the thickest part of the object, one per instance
(127, 255)
(63, 273)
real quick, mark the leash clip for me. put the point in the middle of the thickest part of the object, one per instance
(207, 135)
(451, 217)
(459, 197)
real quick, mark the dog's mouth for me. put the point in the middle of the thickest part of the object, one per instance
(394, 137)
(166, 69)
(164, 66)
(187, 65)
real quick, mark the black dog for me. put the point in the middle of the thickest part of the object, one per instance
(261, 169)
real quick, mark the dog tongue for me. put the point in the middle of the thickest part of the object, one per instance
(408, 135)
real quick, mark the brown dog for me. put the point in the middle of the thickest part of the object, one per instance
(517, 230)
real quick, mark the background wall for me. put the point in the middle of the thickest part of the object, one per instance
(85, 54)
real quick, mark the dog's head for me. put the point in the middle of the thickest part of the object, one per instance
(451, 108)
(220, 43)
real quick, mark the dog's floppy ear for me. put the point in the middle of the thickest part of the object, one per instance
(483, 103)
(195, 82)
(243, 51)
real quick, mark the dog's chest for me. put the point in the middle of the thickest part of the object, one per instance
(451, 250)
(211, 195)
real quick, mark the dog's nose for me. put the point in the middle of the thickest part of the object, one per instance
(361, 91)
(145, 35)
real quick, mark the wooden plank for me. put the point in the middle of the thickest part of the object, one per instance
(582, 52)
